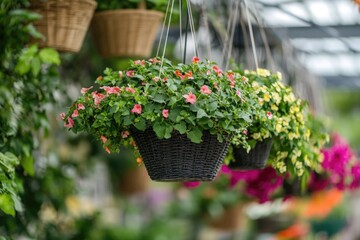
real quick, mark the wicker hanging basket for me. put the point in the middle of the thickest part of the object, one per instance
(178, 159)
(125, 33)
(255, 159)
(64, 23)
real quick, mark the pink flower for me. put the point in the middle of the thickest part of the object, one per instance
(191, 184)
(165, 113)
(154, 60)
(111, 90)
(98, 97)
(269, 115)
(140, 62)
(156, 79)
(107, 150)
(130, 73)
(62, 115)
(70, 123)
(125, 134)
(120, 73)
(75, 113)
(103, 139)
(205, 90)
(190, 98)
(195, 60)
(85, 90)
(245, 132)
(130, 90)
(208, 72)
(217, 70)
(137, 109)
(165, 79)
(80, 106)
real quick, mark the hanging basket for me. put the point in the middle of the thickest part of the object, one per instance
(178, 159)
(125, 33)
(64, 23)
(230, 220)
(255, 159)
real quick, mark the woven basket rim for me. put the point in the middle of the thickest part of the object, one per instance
(35, 3)
(128, 12)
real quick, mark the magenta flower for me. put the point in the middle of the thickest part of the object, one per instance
(191, 184)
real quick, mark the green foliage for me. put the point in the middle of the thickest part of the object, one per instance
(196, 97)
(27, 85)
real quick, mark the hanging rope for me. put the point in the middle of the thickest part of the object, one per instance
(231, 40)
(251, 34)
(192, 27)
(180, 23)
(162, 29)
(226, 41)
(206, 24)
(186, 35)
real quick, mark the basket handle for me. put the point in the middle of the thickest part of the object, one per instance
(142, 5)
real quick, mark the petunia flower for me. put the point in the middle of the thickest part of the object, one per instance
(80, 106)
(269, 115)
(165, 113)
(62, 115)
(137, 109)
(190, 98)
(70, 123)
(75, 113)
(205, 90)
(130, 73)
(130, 90)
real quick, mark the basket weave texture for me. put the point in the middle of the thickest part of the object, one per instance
(255, 159)
(178, 159)
(125, 33)
(64, 23)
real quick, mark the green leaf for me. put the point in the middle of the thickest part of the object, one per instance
(168, 131)
(213, 106)
(128, 120)
(7, 204)
(159, 98)
(181, 127)
(159, 129)
(35, 66)
(201, 113)
(49, 55)
(195, 135)
(28, 165)
(22, 67)
(141, 125)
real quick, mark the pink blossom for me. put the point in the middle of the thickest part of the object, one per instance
(190, 98)
(238, 93)
(111, 90)
(125, 134)
(62, 115)
(269, 115)
(208, 72)
(165, 113)
(205, 90)
(154, 60)
(165, 79)
(80, 106)
(103, 139)
(231, 77)
(98, 97)
(85, 90)
(245, 132)
(130, 90)
(75, 113)
(130, 73)
(70, 123)
(140, 62)
(156, 79)
(191, 184)
(195, 60)
(107, 150)
(137, 109)
(217, 70)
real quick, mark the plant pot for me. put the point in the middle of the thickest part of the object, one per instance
(255, 159)
(230, 220)
(178, 159)
(125, 33)
(64, 23)
(134, 181)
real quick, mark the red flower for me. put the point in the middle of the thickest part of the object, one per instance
(269, 115)
(217, 70)
(190, 98)
(189, 75)
(205, 90)
(179, 74)
(130, 73)
(195, 60)
(98, 97)
(165, 113)
(137, 109)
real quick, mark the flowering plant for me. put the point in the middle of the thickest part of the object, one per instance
(283, 116)
(188, 98)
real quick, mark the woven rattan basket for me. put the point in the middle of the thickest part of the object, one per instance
(125, 33)
(178, 159)
(255, 159)
(64, 23)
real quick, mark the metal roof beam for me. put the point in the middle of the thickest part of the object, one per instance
(342, 31)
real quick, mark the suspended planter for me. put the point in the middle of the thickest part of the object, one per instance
(125, 32)
(176, 115)
(254, 159)
(64, 23)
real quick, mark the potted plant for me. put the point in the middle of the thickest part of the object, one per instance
(64, 23)
(126, 28)
(181, 117)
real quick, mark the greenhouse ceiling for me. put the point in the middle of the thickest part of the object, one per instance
(325, 32)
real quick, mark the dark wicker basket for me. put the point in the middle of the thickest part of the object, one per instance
(255, 159)
(178, 159)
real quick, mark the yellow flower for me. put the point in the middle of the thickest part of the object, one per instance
(256, 136)
(300, 117)
(265, 133)
(277, 87)
(261, 101)
(278, 128)
(307, 134)
(294, 109)
(263, 72)
(274, 107)
(279, 75)
(307, 161)
(276, 97)
(300, 172)
(266, 97)
(264, 89)
(293, 159)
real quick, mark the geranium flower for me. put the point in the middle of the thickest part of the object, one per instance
(189, 75)
(179, 74)
(130, 73)
(137, 109)
(165, 113)
(190, 98)
(195, 60)
(111, 90)
(70, 123)
(205, 90)
(85, 90)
